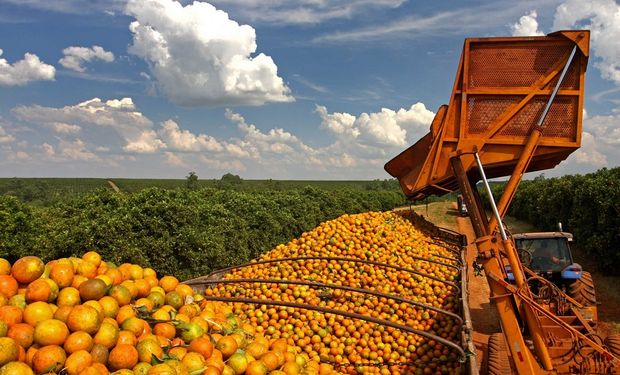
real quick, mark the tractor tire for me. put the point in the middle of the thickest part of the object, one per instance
(498, 361)
(582, 290)
(612, 342)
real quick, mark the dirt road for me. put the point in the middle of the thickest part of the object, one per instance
(483, 315)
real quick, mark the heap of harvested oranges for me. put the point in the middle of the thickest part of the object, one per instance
(83, 316)
(327, 302)
(374, 251)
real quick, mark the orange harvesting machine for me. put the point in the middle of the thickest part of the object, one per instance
(516, 107)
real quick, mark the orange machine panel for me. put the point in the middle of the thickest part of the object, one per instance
(501, 89)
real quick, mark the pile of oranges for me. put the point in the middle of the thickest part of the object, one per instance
(84, 316)
(373, 251)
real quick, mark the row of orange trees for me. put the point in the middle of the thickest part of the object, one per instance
(586, 205)
(181, 232)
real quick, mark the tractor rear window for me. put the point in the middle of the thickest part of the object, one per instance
(548, 254)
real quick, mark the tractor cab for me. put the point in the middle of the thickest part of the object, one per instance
(548, 254)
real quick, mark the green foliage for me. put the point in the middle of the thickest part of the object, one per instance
(176, 231)
(191, 181)
(587, 205)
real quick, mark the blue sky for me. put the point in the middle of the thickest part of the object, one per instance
(282, 89)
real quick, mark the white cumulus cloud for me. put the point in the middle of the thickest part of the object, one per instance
(119, 115)
(384, 128)
(5, 137)
(75, 57)
(199, 56)
(24, 71)
(527, 25)
(184, 140)
(602, 18)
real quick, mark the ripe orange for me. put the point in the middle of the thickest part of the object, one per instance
(123, 357)
(92, 257)
(38, 290)
(78, 341)
(11, 314)
(121, 294)
(84, 318)
(201, 345)
(256, 368)
(69, 296)
(193, 361)
(62, 274)
(161, 369)
(271, 360)
(8, 286)
(36, 312)
(87, 269)
(238, 362)
(77, 362)
(110, 306)
(127, 337)
(16, 368)
(62, 313)
(50, 332)
(27, 269)
(5, 267)
(148, 348)
(134, 325)
(168, 283)
(107, 335)
(22, 333)
(9, 350)
(50, 358)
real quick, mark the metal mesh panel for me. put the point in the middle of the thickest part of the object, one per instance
(482, 111)
(557, 124)
(506, 65)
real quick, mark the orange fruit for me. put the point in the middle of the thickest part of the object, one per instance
(127, 337)
(78, 341)
(167, 330)
(16, 368)
(168, 283)
(62, 313)
(135, 272)
(27, 269)
(148, 348)
(8, 286)
(107, 335)
(50, 332)
(193, 361)
(212, 370)
(87, 270)
(9, 350)
(5, 267)
(78, 362)
(22, 333)
(69, 296)
(227, 345)
(184, 290)
(238, 362)
(201, 345)
(162, 369)
(149, 272)
(271, 360)
(62, 274)
(174, 299)
(142, 368)
(123, 357)
(11, 314)
(50, 358)
(92, 257)
(36, 312)
(115, 275)
(92, 289)
(38, 290)
(110, 306)
(256, 368)
(78, 280)
(121, 294)
(84, 318)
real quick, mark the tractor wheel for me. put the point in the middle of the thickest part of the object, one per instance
(498, 361)
(582, 290)
(612, 342)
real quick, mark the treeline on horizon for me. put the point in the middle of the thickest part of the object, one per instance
(587, 205)
(187, 232)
